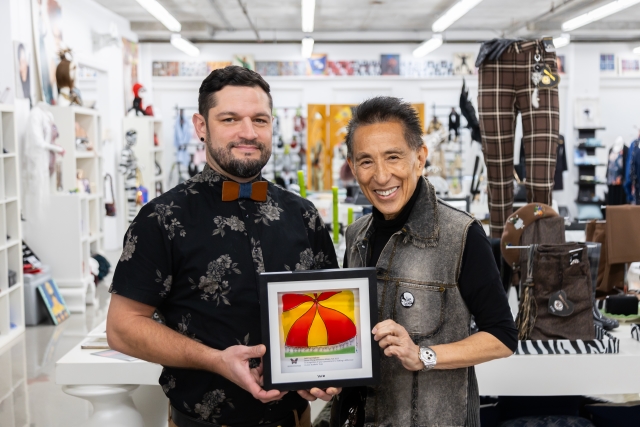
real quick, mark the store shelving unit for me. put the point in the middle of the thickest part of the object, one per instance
(73, 231)
(11, 297)
(14, 402)
(587, 188)
(147, 153)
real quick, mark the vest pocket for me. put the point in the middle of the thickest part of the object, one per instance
(419, 308)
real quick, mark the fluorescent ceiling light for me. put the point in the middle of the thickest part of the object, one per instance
(161, 14)
(597, 14)
(307, 47)
(562, 41)
(428, 46)
(637, 50)
(308, 12)
(184, 45)
(452, 15)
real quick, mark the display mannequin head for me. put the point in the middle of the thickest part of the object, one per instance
(66, 71)
(234, 120)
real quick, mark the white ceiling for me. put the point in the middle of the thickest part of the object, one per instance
(374, 20)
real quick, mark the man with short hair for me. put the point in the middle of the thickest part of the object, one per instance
(194, 255)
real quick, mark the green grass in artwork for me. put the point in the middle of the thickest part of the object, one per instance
(346, 350)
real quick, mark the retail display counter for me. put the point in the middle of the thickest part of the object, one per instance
(128, 392)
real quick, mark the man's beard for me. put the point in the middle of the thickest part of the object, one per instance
(241, 168)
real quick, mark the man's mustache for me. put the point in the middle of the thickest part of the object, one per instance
(246, 142)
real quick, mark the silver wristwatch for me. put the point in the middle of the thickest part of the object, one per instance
(427, 357)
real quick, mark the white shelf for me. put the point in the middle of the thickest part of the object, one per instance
(73, 215)
(11, 297)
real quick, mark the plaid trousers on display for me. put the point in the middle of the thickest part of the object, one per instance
(506, 89)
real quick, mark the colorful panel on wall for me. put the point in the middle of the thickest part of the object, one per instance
(317, 65)
(390, 65)
(316, 151)
(245, 61)
(420, 109)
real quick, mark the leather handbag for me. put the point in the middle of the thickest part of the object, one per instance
(110, 207)
(557, 299)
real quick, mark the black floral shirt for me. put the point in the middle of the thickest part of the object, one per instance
(197, 259)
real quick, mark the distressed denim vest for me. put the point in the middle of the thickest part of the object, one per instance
(424, 260)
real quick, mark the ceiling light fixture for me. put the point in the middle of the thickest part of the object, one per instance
(308, 12)
(307, 47)
(637, 50)
(161, 14)
(184, 45)
(597, 14)
(562, 41)
(428, 46)
(452, 15)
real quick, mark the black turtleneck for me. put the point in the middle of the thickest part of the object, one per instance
(384, 229)
(479, 282)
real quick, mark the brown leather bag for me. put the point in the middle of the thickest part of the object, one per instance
(610, 276)
(558, 298)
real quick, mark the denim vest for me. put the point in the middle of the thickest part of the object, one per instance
(424, 260)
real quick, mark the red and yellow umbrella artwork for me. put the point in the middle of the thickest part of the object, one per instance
(318, 319)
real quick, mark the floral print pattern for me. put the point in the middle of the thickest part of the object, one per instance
(129, 246)
(170, 384)
(309, 261)
(208, 176)
(209, 408)
(256, 254)
(166, 283)
(212, 286)
(163, 212)
(268, 211)
(183, 327)
(315, 220)
(234, 223)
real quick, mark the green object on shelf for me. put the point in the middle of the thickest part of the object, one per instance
(336, 226)
(303, 187)
(349, 216)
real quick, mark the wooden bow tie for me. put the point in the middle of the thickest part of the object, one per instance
(256, 191)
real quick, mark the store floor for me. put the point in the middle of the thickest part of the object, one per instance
(45, 404)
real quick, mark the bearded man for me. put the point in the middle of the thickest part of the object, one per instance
(194, 255)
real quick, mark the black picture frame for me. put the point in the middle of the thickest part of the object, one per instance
(268, 303)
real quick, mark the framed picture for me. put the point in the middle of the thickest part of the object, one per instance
(629, 65)
(316, 326)
(587, 113)
(390, 65)
(607, 63)
(464, 64)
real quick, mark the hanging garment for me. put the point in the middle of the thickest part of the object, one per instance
(623, 229)
(616, 171)
(561, 164)
(632, 172)
(454, 123)
(181, 137)
(506, 89)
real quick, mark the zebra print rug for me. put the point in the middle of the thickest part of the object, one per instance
(635, 331)
(604, 343)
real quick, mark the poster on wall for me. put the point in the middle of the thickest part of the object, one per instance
(390, 65)
(130, 61)
(464, 64)
(317, 65)
(561, 63)
(47, 35)
(245, 61)
(22, 61)
(587, 113)
(629, 65)
(607, 63)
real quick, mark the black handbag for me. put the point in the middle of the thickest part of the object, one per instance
(110, 207)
